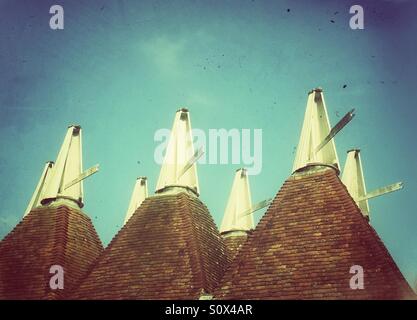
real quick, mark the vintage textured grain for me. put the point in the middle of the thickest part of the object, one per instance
(45, 237)
(235, 243)
(305, 244)
(169, 249)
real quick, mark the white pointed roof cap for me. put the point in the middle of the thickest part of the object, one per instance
(139, 194)
(240, 201)
(68, 166)
(35, 201)
(316, 127)
(179, 151)
(354, 180)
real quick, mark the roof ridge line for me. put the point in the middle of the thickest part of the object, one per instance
(100, 257)
(242, 253)
(60, 243)
(378, 239)
(196, 242)
(11, 232)
(265, 249)
(110, 244)
(78, 283)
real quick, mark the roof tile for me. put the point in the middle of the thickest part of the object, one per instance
(305, 244)
(169, 249)
(47, 236)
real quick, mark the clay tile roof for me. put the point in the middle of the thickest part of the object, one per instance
(47, 236)
(235, 243)
(169, 249)
(305, 244)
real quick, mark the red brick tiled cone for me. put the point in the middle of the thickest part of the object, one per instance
(47, 236)
(305, 245)
(169, 249)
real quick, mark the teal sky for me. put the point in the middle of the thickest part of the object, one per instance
(122, 68)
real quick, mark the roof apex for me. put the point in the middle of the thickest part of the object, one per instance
(177, 170)
(139, 194)
(59, 234)
(240, 201)
(316, 127)
(354, 180)
(35, 201)
(181, 252)
(68, 167)
(310, 214)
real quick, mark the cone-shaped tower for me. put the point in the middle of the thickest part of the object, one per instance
(316, 127)
(68, 167)
(35, 201)
(175, 171)
(240, 201)
(139, 194)
(238, 218)
(170, 248)
(305, 245)
(313, 233)
(54, 232)
(354, 181)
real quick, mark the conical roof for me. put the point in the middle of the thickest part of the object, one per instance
(169, 249)
(354, 180)
(238, 216)
(47, 236)
(68, 167)
(53, 232)
(35, 201)
(307, 242)
(139, 194)
(238, 204)
(177, 169)
(316, 127)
